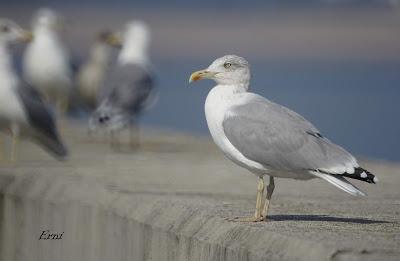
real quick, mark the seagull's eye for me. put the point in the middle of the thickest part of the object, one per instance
(4, 28)
(227, 65)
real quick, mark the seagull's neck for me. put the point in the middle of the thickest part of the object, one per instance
(8, 77)
(133, 53)
(100, 54)
(230, 89)
(43, 35)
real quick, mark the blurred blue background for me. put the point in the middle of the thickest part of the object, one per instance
(335, 62)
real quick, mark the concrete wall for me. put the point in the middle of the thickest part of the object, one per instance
(101, 223)
(169, 200)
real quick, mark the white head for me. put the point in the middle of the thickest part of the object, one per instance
(109, 38)
(10, 32)
(138, 32)
(102, 49)
(227, 70)
(135, 43)
(47, 19)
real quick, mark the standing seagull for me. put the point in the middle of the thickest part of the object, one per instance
(269, 139)
(92, 73)
(22, 112)
(127, 89)
(46, 61)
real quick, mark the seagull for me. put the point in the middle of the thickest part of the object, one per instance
(269, 139)
(92, 73)
(46, 62)
(22, 111)
(128, 89)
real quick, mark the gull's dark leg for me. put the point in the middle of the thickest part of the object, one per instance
(1, 149)
(14, 143)
(114, 140)
(270, 190)
(90, 134)
(134, 141)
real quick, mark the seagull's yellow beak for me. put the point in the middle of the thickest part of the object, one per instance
(114, 40)
(26, 37)
(200, 75)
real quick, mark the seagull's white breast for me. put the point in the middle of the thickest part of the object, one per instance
(218, 102)
(90, 79)
(46, 64)
(11, 109)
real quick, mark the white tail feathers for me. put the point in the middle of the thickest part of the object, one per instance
(339, 182)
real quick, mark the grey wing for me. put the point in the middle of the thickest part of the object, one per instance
(281, 139)
(128, 87)
(41, 120)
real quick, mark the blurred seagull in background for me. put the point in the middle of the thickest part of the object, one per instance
(128, 88)
(92, 73)
(46, 62)
(269, 139)
(22, 112)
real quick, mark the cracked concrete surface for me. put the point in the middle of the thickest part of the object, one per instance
(168, 201)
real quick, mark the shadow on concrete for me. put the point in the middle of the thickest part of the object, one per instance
(324, 218)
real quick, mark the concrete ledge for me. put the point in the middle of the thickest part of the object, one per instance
(136, 207)
(102, 224)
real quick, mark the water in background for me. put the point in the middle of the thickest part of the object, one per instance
(354, 104)
(339, 68)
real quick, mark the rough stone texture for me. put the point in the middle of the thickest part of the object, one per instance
(168, 201)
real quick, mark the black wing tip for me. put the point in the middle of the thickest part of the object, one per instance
(363, 175)
(62, 154)
(55, 148)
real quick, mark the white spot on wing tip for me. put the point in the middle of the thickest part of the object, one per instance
(376, 180)
(338, 170)
(363, 175)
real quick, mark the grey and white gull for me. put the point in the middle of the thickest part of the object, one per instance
(269, 139)
(129, 87)
(91, 75)
(22, 111)
(46, 62)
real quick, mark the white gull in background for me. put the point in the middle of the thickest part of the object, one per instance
(22, 112)
(46, 62)
(92, 73)
(269, 139)
(128, 88)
